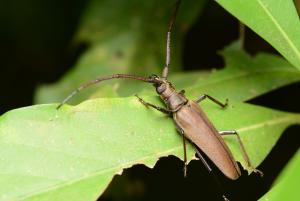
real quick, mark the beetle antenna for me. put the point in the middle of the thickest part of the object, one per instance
(168, 49)
(100, 79)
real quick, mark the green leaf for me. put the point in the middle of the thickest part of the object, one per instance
(47, 154)
(130, 38)
(246, 77)
(286, 186)
(73, 153)
(275, 21)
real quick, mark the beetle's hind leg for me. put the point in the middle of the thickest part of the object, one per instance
(243, 150)
(204, 96)
(161, 109)
(181, 131)
(198, 153)
(184, 156)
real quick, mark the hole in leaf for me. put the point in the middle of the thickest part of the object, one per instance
(166, 182)
(285, 98)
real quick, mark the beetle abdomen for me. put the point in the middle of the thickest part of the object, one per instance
(199, 130)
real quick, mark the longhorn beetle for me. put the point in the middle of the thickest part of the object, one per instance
(189, 118)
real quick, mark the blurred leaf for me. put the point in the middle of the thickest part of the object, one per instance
(73, 153)
(275, 21)
(246, 77)
(255, 75)
(123, 37)
(286, 186)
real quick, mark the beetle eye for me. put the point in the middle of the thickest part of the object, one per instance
(153, 76)
(160, 89)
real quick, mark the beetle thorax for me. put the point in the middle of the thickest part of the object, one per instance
(170, 96)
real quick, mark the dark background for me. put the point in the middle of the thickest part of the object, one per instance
(35, 48)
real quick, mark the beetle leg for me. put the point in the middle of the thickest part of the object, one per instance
(243, 150)
(181, 131)
(182, 92)
(203, 161)
(184, 156)
(198, 153)
(204, 96)
(164, 110)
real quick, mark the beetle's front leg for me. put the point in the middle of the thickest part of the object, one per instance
(204, 96)
(164, 110)
(243, 150)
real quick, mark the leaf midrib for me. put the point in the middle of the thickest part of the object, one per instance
(295, 118)
(285, 36)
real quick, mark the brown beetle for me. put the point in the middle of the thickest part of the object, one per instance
(189, 118)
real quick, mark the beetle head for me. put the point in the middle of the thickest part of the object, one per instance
(160, 84)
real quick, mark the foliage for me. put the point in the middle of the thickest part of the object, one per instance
(73, 153)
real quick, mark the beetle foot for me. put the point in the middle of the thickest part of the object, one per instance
(226, 103)
(184, 170)
(261, 174)
(225, 198)
(141, 100)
